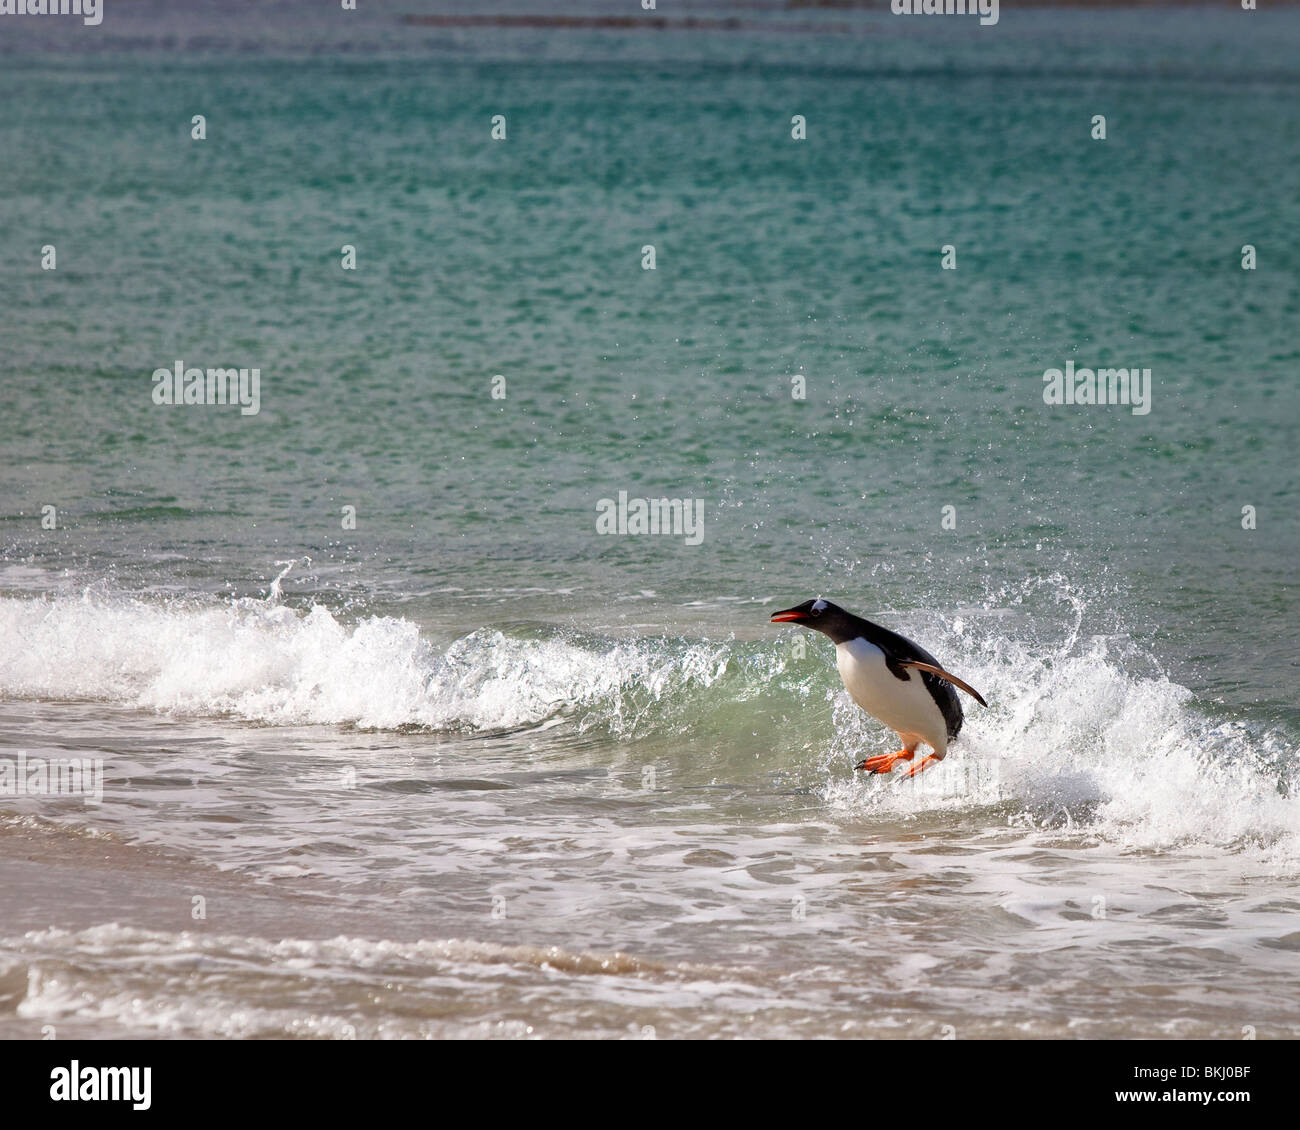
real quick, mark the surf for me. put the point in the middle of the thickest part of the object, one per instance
(1082, 733)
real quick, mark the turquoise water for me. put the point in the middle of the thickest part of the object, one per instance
(1136, 643)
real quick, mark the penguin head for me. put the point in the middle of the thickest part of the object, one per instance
(819, 615)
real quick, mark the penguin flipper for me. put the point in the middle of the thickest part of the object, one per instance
(948, 675)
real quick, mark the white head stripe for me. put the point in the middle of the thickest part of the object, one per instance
(819, 605)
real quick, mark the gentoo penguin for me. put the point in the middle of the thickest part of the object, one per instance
(892, 679)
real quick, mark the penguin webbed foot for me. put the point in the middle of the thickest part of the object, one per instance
(885, 762)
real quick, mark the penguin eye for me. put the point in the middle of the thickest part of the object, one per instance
(817, 607)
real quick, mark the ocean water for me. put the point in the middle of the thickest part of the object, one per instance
(470, 767)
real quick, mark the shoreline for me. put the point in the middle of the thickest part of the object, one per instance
(60, 878)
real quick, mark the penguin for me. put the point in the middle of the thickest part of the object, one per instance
(892, 679)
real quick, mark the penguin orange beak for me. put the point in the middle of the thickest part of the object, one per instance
(788, 614)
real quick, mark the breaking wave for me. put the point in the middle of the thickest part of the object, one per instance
(1082, 733)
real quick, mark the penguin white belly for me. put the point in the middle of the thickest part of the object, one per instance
(903, 706)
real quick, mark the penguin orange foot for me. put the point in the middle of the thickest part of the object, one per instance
(885, 762)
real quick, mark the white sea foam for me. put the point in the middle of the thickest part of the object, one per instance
(263, 662)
